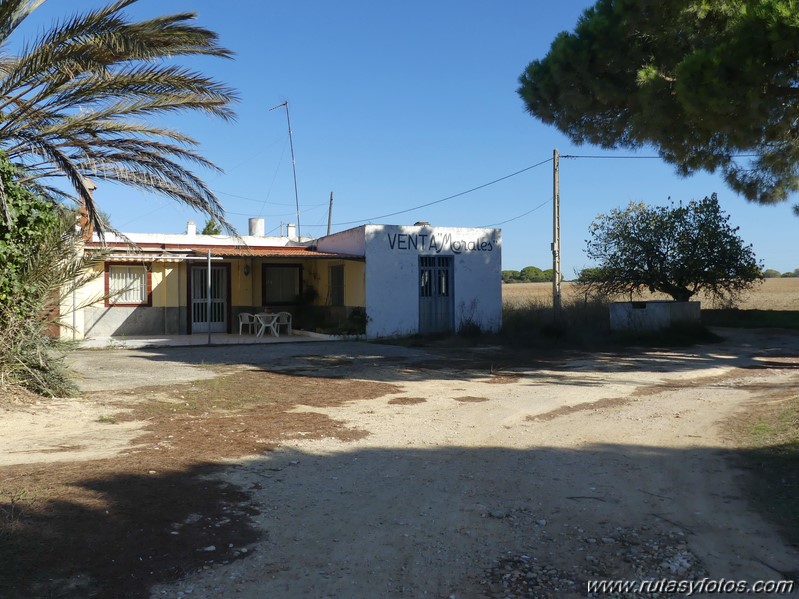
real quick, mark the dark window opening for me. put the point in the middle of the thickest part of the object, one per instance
(337, 285)
(281, 284)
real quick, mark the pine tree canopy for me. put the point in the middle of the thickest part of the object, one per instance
(712, 86)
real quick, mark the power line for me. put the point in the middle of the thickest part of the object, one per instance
(257, 201)
(258, 216)
(601, 156)
(627, 157)
(541, 205)
(448, 197)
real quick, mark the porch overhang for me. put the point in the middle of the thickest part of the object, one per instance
(220, 253)
(297, 253)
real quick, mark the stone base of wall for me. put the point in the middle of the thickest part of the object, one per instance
(118, 321)
(652, 315)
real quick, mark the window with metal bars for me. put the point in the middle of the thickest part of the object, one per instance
(434, 276)
(128, 285)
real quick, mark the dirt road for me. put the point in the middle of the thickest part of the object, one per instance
(471, 474)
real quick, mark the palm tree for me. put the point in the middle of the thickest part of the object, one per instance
(79, 102)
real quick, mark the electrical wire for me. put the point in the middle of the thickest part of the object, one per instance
(600, 156)
(541, 205)
(350, 222)
(611, 157)
(249, 214)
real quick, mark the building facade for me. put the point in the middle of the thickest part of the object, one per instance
(381, 280)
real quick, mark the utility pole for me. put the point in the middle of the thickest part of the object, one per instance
(330, 213)
(556, 303)
(293, 163)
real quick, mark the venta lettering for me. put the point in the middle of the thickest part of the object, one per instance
(431, 243)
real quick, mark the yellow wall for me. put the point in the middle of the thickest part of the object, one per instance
(169, 284)
(241, 285)
(354, 282)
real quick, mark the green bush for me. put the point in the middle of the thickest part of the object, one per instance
(39, 263)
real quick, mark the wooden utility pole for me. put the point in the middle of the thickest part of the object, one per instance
(330, 213)
(556, 303)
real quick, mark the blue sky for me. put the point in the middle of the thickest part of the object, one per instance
(394, 105)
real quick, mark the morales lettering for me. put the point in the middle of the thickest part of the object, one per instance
(423, 242)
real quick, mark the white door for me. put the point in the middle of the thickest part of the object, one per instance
(200, 320)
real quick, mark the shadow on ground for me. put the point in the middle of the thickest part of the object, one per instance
(120, 369)
(116, 535)
(387, 522)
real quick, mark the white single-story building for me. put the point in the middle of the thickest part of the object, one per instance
(423, 279)
(381, 280)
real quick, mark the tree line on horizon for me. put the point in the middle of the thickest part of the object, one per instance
(533, 274)
(529, 274)
(771, 273)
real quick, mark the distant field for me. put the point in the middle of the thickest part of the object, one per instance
(773, 294)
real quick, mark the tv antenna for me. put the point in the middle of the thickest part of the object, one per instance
(293, 162)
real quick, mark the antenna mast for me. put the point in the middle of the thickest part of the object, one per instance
(293, 163)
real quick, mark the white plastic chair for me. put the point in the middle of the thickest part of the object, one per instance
(246, 320)
(284, 320)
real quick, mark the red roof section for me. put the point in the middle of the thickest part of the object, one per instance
(270, 252)
(230, 251)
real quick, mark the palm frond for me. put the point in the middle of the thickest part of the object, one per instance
(12, 13)
(67, 167)
(79, 101)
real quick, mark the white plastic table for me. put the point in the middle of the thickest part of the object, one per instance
(266, 321)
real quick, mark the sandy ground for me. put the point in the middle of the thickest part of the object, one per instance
(507, 480)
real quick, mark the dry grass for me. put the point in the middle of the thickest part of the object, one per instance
(773, 294)
(152, 507)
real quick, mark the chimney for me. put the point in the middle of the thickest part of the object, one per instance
(191, 228)
(85, 224)
(256, 227)
(291, 231)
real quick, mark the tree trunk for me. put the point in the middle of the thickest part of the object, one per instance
(678, 293)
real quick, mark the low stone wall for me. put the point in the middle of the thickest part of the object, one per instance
(652, 315)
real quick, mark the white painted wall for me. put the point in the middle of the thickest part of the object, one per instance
(653, 315)
(351, 241)
(392, 275)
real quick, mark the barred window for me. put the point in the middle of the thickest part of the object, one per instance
(127, 284)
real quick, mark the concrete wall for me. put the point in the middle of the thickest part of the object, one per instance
(126, 320)
(392, 275)
(351, 241)
(652, 315)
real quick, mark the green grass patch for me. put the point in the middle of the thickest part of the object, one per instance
(751, 319)
(770, 435)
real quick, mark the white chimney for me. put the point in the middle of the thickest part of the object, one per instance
(291, 231)
(191, 228)
(256, 227)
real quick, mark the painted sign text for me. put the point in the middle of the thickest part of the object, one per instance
(424, 242)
